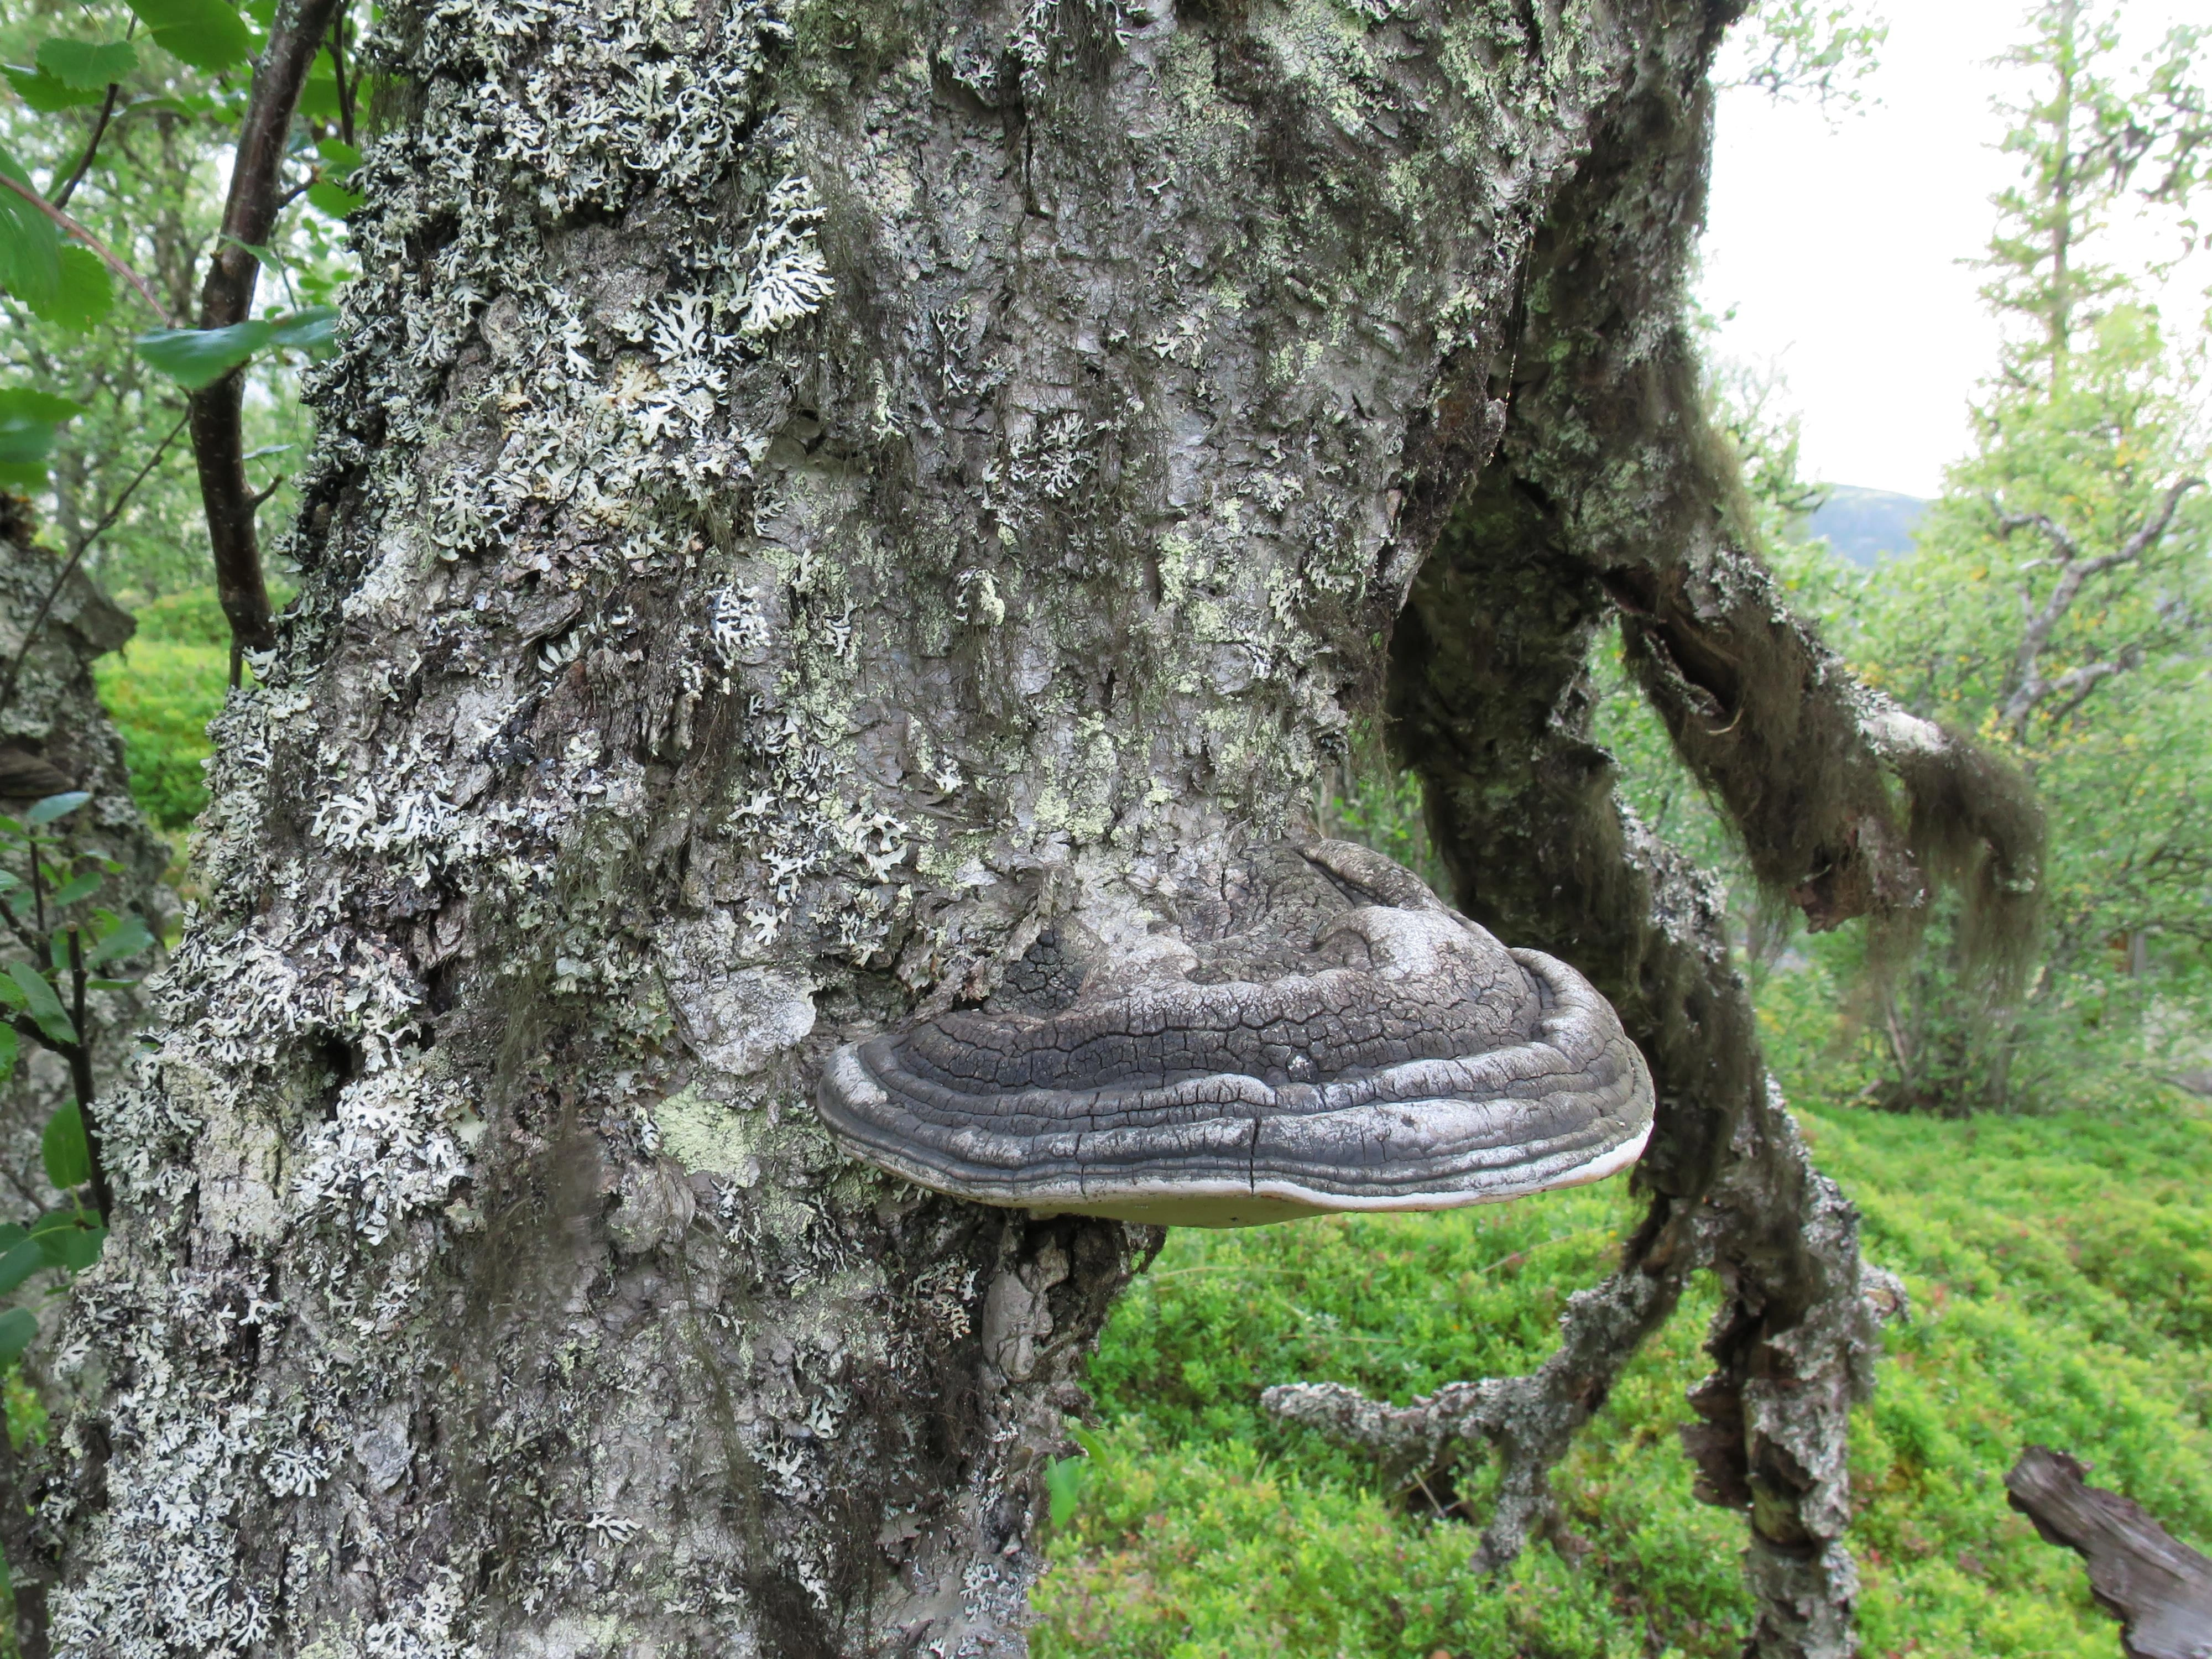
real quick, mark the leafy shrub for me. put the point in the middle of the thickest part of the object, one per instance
(162, 690)
(191, 617)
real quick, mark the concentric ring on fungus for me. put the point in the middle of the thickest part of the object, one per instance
(1331, 1037)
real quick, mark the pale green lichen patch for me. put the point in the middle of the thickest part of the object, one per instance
(709, 1137)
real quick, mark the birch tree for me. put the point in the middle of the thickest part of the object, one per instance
(810, 495)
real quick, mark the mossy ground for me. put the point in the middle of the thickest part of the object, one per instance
(2060, 1271)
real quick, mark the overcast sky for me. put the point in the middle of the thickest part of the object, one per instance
(1836, 241)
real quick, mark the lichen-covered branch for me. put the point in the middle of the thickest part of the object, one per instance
(1538, 845)
(1611, 498)
(55, 737)
(1527, 1422)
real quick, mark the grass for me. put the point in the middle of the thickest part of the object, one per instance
(2061, 1269)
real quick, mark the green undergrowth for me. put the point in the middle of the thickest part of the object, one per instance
(2061, 1273)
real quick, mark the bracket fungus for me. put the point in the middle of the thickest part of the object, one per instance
(1324, 1035)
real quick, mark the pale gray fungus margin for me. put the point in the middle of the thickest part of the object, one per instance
(1323, 1034)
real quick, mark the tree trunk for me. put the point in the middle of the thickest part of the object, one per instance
(55, 737)
(808, 491)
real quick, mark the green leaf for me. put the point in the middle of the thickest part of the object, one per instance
(194, 357)
(67, 1153)
(81, 1246)
(339, 159)
(205, 33)
(57, 806)
(27, 420)
(40, 1002)
(17, 1327)
(69, 1238)
(11, 994)
(334, 199)
(47, 93)
(8, 1046)
(1063, 1483)
(127, 938)
(312, 329)
(52, 409)
(74, 892)
(319, 94)
(268, 257)
(12, 1234)
(87, 65)
(19, 1262)
(86, 293)
(30, 248)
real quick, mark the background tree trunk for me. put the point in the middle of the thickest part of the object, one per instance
(807, 489)
(55, 736)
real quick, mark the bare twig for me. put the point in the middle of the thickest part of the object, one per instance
(80, 1064)
(346, 89)
(227, 299)
(2030, 688)
(107, 255)
(92, 147)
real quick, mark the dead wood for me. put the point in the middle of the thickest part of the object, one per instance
(2157, 1586)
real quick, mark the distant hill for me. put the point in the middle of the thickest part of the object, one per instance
(1866, 526)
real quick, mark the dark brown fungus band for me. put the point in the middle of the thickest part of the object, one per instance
(1323, 1035)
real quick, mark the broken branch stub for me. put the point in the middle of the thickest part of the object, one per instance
(1324, 1035)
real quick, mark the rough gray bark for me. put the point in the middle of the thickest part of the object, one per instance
(55, 736)
(2157, 1586)
(806, 490)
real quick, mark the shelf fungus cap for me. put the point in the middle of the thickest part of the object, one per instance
(1324, 1035)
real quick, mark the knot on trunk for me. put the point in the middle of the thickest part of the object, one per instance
(1319, 1034)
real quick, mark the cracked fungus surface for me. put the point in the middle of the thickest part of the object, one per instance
(805, 492)
(1323, 1034)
